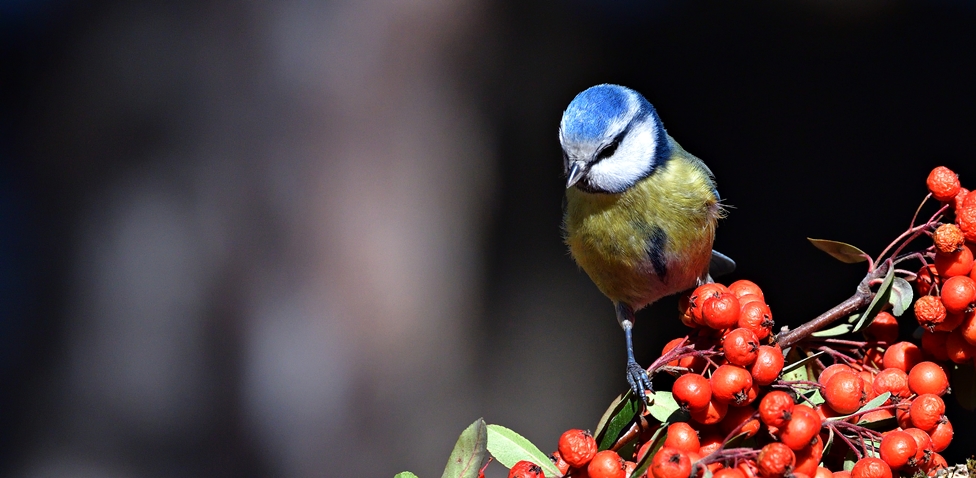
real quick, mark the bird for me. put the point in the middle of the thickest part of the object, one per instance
(640, 212)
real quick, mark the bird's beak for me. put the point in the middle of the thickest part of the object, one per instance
(575, 173)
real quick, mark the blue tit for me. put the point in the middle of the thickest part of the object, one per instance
(640, 211)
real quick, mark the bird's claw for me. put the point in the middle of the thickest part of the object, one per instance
(640, 382)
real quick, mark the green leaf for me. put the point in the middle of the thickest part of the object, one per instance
(880, 299)
(615, 406)
(657, 440)
(621, 413)
(797, 370)
(662, 406)
(874, 403)
(848, 464)
(834, 331)
(815, 397)
(901, 296)
(468, 453)
(404, 474)
(510, 448)
(841, 251)
(963, 381)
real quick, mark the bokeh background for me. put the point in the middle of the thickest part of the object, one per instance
(297, 238)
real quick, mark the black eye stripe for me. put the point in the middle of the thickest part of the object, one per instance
(609, 149)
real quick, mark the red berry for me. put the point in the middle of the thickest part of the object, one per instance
(698, 297)
(958, 294)
(711, 414)
(577, 447)
(808, 458)
(936, 464)
(756, 317)
(960, 200)
(924, 446)
(902, 355)
(870, 467)
(606, 464)
(776, 408)
(743, 287)
(925, 278)
(558, 461)
(712, 441)
(682, 437)
(893, 380)
(943, 183)
(927, 411)
(823, 473)
(967, 327)
(957, 263)
(670, 463)
(769, 363)
(966, 218)
(731, 384)
(958, 348)
(950, 323)
(801, 429)
(844, 392)
(928, 377)
(884, 328)
(739, 416)
(525, 469)
(929, 311)
(741, 346)
(729, 473)
(775, 460)
(721, 312)
(942, 435)
(692, 391)
(829, 372)
(948, 238)
(897, 448)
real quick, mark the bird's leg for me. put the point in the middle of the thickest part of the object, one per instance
(636, 375)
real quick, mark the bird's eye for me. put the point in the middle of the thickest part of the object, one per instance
(608, 151)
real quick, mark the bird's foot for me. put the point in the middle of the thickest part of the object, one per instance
(640, 382)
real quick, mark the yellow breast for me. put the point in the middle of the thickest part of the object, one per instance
(653, 240)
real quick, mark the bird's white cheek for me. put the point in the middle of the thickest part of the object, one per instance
(629, 164)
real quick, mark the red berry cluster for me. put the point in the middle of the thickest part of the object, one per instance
(870, 408)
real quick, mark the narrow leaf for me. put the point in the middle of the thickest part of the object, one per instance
(797, 369)
(469, 452)
(901, 296)
(662, 406)
(841, 251)
(834, 331)
(879, 301)
(874, 403)
(619, 421)
(963, 380)
(510, 448)
(404, 474)
(615, 406)
(657, 440)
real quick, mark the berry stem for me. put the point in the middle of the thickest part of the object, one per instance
(860, 299)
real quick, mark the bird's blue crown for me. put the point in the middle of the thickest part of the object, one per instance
(597, 110)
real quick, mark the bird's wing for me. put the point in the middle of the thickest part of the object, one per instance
(720, 264)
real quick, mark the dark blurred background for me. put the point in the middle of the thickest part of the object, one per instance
(304, 238)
